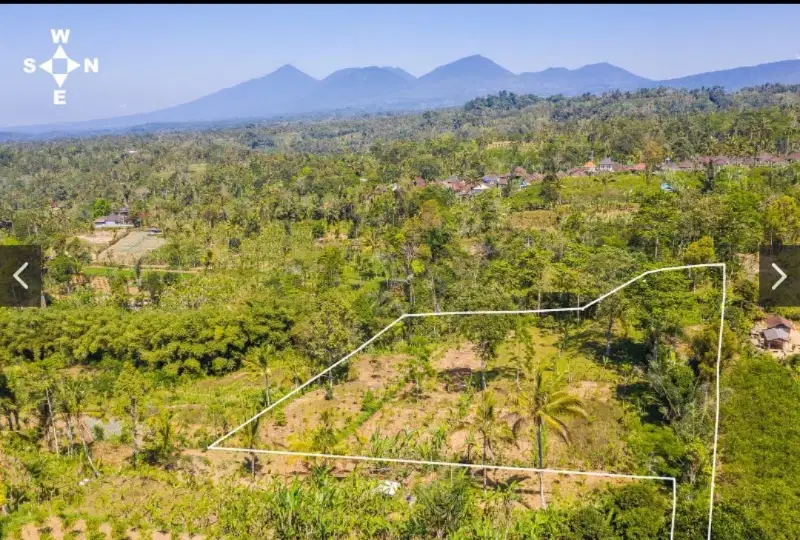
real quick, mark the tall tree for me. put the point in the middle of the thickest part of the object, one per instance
(543, 404)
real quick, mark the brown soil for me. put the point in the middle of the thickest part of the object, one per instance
(303, 412)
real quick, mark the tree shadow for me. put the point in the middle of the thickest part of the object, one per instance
(639, 394)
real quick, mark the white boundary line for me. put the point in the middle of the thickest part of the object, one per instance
(214, 445)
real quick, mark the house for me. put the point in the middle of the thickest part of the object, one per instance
(776, 321)
(455, 184)
(776, 338)
(768, 159)
(451, 183)
(686, 165)
(605, 165)
(480, 188)
(589, 167)
(778, 333)
(112, 220)
(490, 180)
(717, 161)
(639, 167)
(537, 177)
(418, 182)
(668, 165)
(793, 157)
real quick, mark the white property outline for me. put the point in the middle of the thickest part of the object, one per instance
(213, 446)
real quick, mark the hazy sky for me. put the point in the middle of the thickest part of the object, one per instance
(155, 56)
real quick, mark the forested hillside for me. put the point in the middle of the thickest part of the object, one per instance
(286, 245)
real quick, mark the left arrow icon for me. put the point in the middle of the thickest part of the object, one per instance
(22, 269)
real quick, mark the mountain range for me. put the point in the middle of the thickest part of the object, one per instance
(288, 91)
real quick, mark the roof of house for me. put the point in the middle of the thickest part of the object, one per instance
(606, 161)
(618, 167)
(773, 334)
(776, 320)
(589, 165)
(639, 167)
(686, 164)
(111, 217)
(794, 156)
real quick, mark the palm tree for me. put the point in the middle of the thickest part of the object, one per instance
(251, 440)
(75, 394)
(259, 363)
(542, 405)
(491, 431)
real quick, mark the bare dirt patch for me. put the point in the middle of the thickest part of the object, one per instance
(302, 413)
(98, 238)
(132, 247)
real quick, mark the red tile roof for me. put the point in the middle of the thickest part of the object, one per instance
(776, 320)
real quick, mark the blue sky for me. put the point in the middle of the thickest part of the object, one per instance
(154, 56)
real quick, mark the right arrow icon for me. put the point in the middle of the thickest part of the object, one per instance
(783, 276)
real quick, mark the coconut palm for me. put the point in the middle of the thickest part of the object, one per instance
(488, 426)
(543, 405)
(250, 440)
(74, 397)
(259, 362)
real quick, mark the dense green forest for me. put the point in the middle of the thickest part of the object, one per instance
(289, 244)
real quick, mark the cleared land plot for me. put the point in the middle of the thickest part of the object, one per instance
(131, 248)
(98, 238)
(376, 412)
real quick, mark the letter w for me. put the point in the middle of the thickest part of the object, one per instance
(60, 36)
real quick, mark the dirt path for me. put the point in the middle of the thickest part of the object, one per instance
(159, 267)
